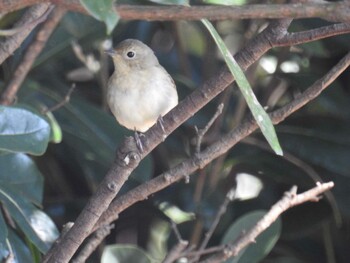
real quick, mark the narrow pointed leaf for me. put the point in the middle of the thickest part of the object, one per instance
(260, 115)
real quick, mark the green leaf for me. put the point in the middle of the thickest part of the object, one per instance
(20, 174)
(157, 243)
(39, 229)
(176, 214)
(264, 242)
(124, 254)
(21, 184)
(23, 131)
(261, 117)
(56, 131)
(102, 10)
(19, 249)
(3, 232)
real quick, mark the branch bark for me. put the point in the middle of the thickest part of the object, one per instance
(8, 46)
(92, 243)
(302, 37)
(332, 11)
(9, 94)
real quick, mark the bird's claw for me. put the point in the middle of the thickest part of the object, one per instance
(160, 121)
(138, 140)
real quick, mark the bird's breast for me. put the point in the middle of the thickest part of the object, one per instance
(139, 98)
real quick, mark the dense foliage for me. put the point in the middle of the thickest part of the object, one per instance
(51, 163)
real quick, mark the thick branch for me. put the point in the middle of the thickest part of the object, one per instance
(92, 243)
(335, 11)
(326, 11)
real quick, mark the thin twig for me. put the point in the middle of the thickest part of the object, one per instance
(60, 104)
(92, 243)
(230, 196)
(30, 25)
(176, 231)
(10, 44)
(202, 132)
(178, 248)
(176, 251)
(290, 199)
(199, 253)
(9, 94)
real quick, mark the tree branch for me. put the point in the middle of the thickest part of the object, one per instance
(128, 156)
(176, 251)
(61, 103)
(8, 46)
(202, 132)
(92, 243)
(16, 30)
(230, 196)
(331, 11)
(290, 199)
(218, 148)
(307, 36)
(9, 94)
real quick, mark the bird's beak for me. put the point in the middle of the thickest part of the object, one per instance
(110, 52)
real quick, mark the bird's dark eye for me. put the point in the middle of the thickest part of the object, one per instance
(130, 54)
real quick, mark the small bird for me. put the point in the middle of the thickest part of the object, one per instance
(140, 91)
